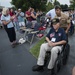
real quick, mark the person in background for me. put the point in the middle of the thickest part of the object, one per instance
(8, 26)
(1, 26)
(72, 25)
(28, 18)
(28, 15)
(51, 14)
(34, 17)
(11, 12)
(15, 21)
(40, 14)
(20, 17)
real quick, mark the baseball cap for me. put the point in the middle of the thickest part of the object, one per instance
(55, 21)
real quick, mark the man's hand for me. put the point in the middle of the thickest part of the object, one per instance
(66, 31)
(51, 44)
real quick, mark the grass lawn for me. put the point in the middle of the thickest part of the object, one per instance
(36, 48)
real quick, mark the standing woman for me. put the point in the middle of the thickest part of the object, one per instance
(8, 26)
(11, 12)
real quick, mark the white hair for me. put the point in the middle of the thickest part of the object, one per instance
(4, 11)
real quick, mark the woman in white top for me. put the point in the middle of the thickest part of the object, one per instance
(8, 26)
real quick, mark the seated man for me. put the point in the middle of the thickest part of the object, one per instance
(55, 39)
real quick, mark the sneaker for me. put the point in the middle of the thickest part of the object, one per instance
(37, 68)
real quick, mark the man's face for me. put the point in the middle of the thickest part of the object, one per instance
(19, 11)
(58, 11)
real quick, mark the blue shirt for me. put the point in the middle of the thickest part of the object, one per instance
(7, 18)
(57, 36)
(21, 17)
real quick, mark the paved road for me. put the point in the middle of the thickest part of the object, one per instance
(19, 61)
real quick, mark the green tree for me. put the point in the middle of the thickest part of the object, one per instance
(25, 4)
(49, 6)
(64, 7)
(72, 4)
(56, 2)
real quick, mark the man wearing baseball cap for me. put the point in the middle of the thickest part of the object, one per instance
(55, 39)
(20, 17)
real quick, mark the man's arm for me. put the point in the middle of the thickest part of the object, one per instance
(47, 39)
(55, 43)
(68, 27)
(60, 43)
(68, 23)
(49, 42)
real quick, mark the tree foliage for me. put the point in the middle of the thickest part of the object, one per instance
(56, 2)
(64, 7)
(72, 4)
(49, 6)
(25, 4)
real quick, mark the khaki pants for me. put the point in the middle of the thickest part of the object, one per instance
(54, 52)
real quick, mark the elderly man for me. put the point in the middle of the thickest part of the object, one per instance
(56, 38)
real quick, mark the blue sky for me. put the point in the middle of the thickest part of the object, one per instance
(6, 3)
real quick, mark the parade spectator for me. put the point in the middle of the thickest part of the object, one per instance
(28, 15)
(20, 17)
(34, 17)
(8, 26)
(72, 25)
(15, 21)
(28, 18)
(11, 12)
(51, 14)
(0, 19)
